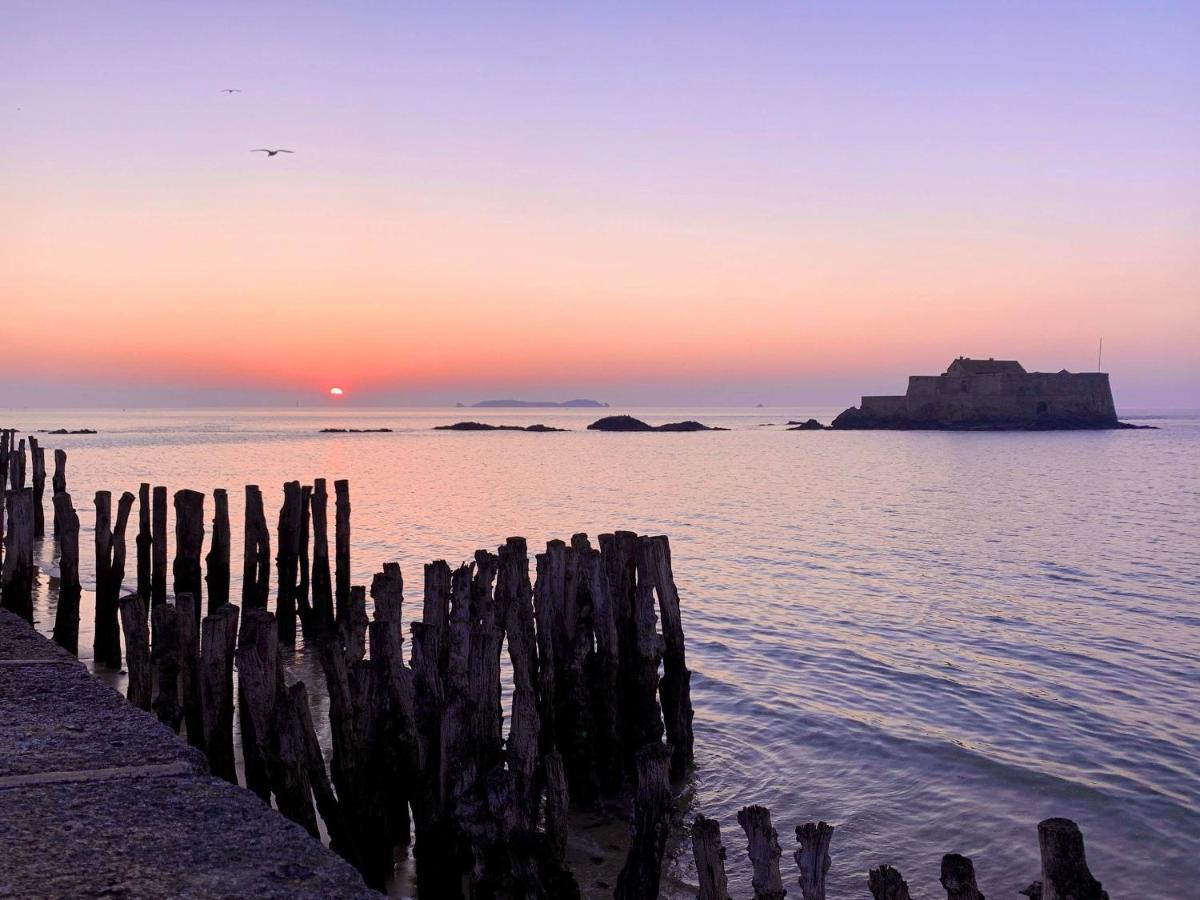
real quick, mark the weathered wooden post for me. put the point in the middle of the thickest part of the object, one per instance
(16, 467)
(886, 883)
(218, 637)
(514, 596)
(164, 654)
(644, 723)
(5, 438)
(303, 605)
(110, 574)
(642, 871)
(710, 859)
(354, 627)
(145, 543)
(812, 858)
(676, 681)
(37, 459)
(189, 539)
(288, 561)
(1065, 872)
(558, 802)
(137, 650)
(602, 677)
(66, 615)
(17, 573)
(189, 668)
(58, 481)
(322, 583)
(764, 851)
(549, 591)
(256, 558)
(158, 574)
(217, 559)
(341, 489)
(958, 878)
(264, 650)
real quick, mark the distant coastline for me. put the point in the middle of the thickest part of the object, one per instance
(535, 404)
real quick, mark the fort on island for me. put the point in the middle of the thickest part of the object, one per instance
(991, 394)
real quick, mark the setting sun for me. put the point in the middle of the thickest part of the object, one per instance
(336, 392)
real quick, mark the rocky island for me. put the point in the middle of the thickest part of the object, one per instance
(629, 423)
(991, 395)
(483, 426)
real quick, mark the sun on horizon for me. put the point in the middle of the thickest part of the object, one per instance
(336, 392)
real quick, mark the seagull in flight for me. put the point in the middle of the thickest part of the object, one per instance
(271, 152)
(231, 90)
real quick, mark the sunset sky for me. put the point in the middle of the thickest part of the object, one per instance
(644, 203)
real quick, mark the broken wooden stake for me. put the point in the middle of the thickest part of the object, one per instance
(137, 650)
(710, 859)
(812, 858)
(764, 851)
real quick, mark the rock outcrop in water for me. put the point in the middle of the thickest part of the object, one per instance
(991, 395)
(483, 426)
(629, 423)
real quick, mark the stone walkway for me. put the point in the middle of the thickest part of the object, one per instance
(97, 799)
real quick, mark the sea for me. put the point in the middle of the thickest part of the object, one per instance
(929, 640)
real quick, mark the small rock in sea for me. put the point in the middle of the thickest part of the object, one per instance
(483, 426)
(810, 425)
(66, 431)
(629, 423)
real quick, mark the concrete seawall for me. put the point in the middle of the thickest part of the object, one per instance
(98, 799)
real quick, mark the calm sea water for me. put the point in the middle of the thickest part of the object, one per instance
(930, 640)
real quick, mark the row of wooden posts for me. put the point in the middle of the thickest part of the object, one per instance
(1064, 870)
(22, 514)
(419, 747)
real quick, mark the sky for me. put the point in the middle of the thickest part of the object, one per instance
(646, 203)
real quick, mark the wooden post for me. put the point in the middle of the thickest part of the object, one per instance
(322, 584)
(557, 804)
(137, 650)
(37, 458)
(644, 724)
(218, 637)
(5, 443)
(341, 489)
(287, 561)
(1065, 873)
(763, 850)
(273, 737)
(58, 482)
(573, 644)
(254, 713)
(648, 829)
(886, 883)
(66, 615)
(395, 772)
(158, 546)
(164, 654)
(548, 599)
(256, 559)
(514, 596)
(354, 627)
(145, 543)
(486, 638)
(189, 668)
(710, 859)
(676, 680)
(812, 858)
(436, 609)
(17, 573)
(189, 539)
(318, 778)
(602, 677)
(303, 606)
(958, 878)
(110, 574)
(16, 467)
(217, 559)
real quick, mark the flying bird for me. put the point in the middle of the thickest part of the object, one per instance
(271, 152)
(231, 90)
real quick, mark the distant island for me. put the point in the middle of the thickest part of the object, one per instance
(537, 404)
(991, 395)
(629, 423)
(483, 426)
(356, 431)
